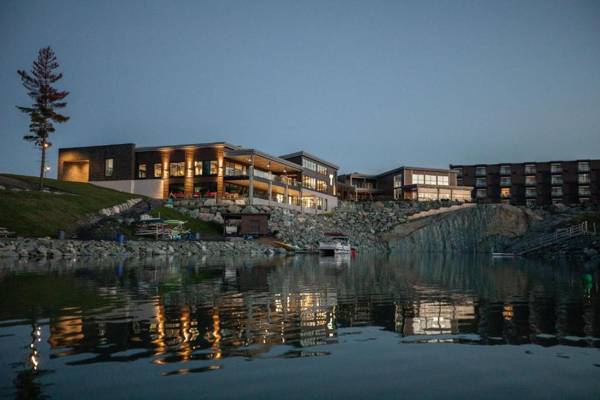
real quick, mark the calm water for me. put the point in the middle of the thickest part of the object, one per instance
(302, 327)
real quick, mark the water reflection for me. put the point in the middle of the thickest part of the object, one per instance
(174, 311)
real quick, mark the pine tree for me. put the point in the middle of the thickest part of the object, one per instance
(47, 99)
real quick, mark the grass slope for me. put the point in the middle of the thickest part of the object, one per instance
(34, 213)
(193, 224)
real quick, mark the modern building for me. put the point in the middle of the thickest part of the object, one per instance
(533, 183)
(217, 172)
(404, 183)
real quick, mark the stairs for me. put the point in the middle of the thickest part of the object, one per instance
(549, 239)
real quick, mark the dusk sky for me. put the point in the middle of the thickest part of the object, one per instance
(369, 85)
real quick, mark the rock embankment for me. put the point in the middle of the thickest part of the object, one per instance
(57, 249)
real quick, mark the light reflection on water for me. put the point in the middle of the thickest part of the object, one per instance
(187, 316)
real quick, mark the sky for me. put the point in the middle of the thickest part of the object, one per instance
(369, 85)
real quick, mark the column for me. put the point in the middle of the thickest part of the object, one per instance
(286, 193)
(270, 190)
(188, 182)
(220, 179)
(251, 184)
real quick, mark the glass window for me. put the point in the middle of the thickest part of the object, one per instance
(555, 168)
(197, 168)
(557, 191)
(177, 169)
(418, 179)
(505, 181)
(214, 167)
(530, 192)
(142, 171)
(583, 179)
(321, 185)
(397, 193)
(235, 169)
(398, 181)
(481, 193)
(443, 180)
(583, 166)
(321, 169)
(430, 180)
(480, 171)
(505, 170)
(480, 182)
(308, 164)
(505, 193)
(309, 182)
(530, 180)
(556, 180)
(158, 170)
(210, 167)
(530, 168)
(109, 166)
(584, 190)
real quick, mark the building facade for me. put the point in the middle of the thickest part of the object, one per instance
(533, 183)
(404, 183)
(218, 172)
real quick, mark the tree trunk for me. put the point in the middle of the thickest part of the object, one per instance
(43, 165)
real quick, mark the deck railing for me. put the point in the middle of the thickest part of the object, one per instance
(560, 235)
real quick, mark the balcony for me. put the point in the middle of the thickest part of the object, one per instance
(480, 171)
(556, 180)
(583, 166)
(583, 179)
(555, 168)
(505, 170)
(530, 169)
(505, 181)
(530, 180)
(480, 182)
(530, 192)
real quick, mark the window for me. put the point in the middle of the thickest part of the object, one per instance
(459, 172)
(418, 179)
(505, 193)
(427, 196)
(109, 166)
(142, 171)
(584, 190)
(235, 169)
(210, 167)
(505, 181)
(321, 169)
(583, 166)
(480, 171)
(557, 191)
(480, 182)
(555, 168)
(308, 164)
(443, 180)
(530, 192)
(583, 179)
(556, 180)
(398, 181)
(481, 193)
(214, 168)
(530, 202)
(321, 185)
(158, 170)
(177, 169)
(530, 180)
(397, 193)
(556, 201)
(309, 182)
(321, 203)
(530, 169)
(430, 180)
(197, 168)
(505, 170)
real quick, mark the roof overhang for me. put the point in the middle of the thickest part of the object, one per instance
(263, 161)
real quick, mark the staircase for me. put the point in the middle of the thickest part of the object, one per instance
(559, 236)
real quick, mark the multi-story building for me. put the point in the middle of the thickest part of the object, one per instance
(533, 183)
(218, 172)
(404, 183)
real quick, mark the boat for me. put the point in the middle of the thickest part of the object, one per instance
(335, 243)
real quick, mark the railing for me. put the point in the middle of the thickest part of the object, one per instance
(560, 235)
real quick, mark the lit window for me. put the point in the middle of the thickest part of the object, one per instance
(308, 164)
(430, 180)
(321, 185)
(309, 182)
(557, 191)
(158, 170)
(480, 182)
(505, 193)
(505, 181)
(398, 181)
(418, 179)
(321, 169)
(556, 180)
(397, 193)
(197, 168)
(583, 179)
(109, 165)
(480, 171)
(214, 168)
(530, 180)
(530, 168)
(584, 190)
(555, 168)
(443, 181)
(177, 169)
(235, 169)
(505, 170)
(142, 171)
(583, 166)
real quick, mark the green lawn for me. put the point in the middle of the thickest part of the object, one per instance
(193, 224)
(34, 213)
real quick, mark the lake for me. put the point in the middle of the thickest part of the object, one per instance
(304, 327)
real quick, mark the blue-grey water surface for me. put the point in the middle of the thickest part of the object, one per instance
(300, 328)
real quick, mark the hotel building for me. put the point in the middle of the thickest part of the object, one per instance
(218, 173)
(404, 183)
(533, 183)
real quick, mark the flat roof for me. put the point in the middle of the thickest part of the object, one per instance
(415, 168)
(241, 152)
(97, 145)
(303, 153)
(522, 162)
(187, 146)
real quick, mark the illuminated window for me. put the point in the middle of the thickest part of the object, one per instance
(418, 179)
(321, 169)
(109, 166)
(177, 169)
(530, 180)
(209, 168)
(321, 185)
(505, 170)
(197, 168)
(214, 167)
(556, 180)
(505, 193)
(480, 171)
(398, 181)
(583, 179)
(430, 180)
(530, 168)
(158, 170)
(583, 166)
(309, 182)
(443, 181)
(397, 193)
(308, 164)
(505, 181)
(142, 171)
(235, 169)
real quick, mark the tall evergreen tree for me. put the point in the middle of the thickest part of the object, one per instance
(46, 100)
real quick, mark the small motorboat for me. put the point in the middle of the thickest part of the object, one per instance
(335, 243)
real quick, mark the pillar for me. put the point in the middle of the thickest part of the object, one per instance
(270, 190)
(165, 157)
(220, 175)
(251, 184)
(188, 180)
